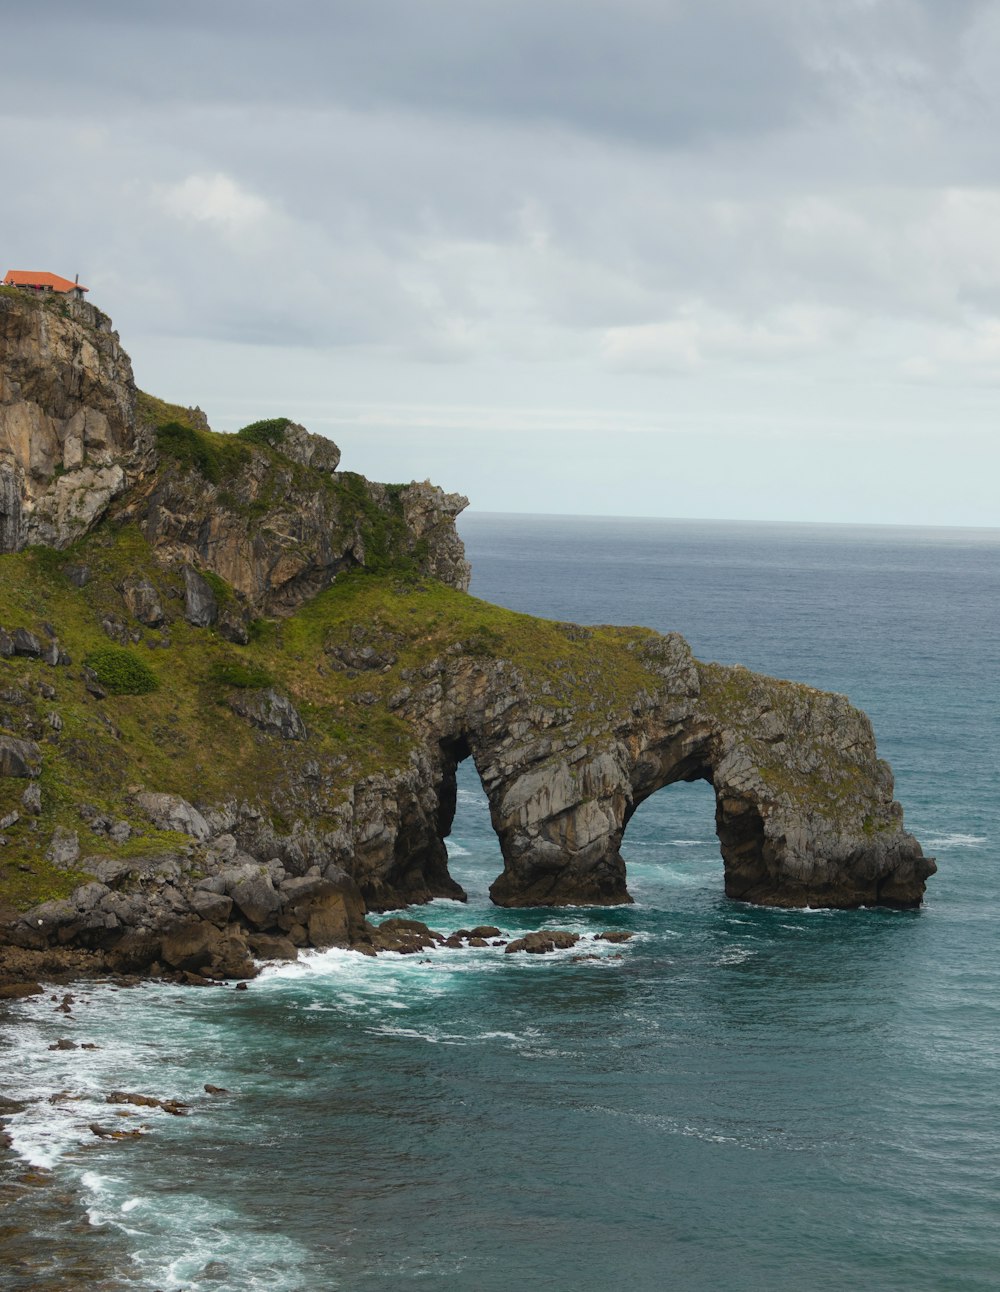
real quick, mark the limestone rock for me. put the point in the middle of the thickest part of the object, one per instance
(214, 907)
(542, 942)
(330, 909)
(309, 450)
(68, 442)
(27, 644)
(143, 601)
(191, 945)
(200, 605)
(266, 946)
(270, 711)
(171, 812)
(20, 758)
(64, 849)
(253, 892)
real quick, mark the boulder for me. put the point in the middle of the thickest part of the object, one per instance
(143, 601)
(271, 711)
(171, 812)
(27, 644)
(214, 907)
(64, 849)
(191, 945)
(542, 942)
(331, 910)
(265, 946)
(253, 892)
(405, 936)
(19, 758)
(201, 607)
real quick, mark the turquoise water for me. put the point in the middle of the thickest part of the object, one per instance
(738, 1098)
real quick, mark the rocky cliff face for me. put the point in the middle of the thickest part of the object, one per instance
(270, 513)
(68, 442)
(231, 714)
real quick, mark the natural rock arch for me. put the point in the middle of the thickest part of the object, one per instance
(804, 807)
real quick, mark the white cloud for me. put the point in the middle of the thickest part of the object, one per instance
(216, 200)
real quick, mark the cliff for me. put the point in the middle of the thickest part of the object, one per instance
(236, 681)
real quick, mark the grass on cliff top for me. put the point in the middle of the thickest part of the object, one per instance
(225, 462)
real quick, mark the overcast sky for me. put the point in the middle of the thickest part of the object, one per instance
(706, 258)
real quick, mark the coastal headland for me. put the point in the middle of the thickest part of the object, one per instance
(236, 682)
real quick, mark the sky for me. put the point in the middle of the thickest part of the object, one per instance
(684, 258)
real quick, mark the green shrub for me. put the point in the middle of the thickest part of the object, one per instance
(267, 432)
(121, 671)
(190, 448)
(233, 672)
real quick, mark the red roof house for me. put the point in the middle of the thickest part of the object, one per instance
(40, 281)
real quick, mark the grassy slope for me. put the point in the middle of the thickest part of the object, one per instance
(183, 737)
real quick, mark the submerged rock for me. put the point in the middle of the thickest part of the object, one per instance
(542, 942)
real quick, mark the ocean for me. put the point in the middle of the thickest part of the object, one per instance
(736, 1099)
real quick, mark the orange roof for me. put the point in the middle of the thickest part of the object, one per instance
(34, 278)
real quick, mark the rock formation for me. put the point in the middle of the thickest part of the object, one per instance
(231, 714)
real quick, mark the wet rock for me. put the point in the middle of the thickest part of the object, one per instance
(266, 946)
(192, 945)
(19, 991)
(175, 1107)
(106, 1132)
(215, 1090)
(64, 1043)
(542, 942)
(404, 936)
(615, 935)
(329, 907)
(484, 931)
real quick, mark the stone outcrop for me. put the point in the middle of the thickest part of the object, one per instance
(277, 521)
(805, 813)
(278, 534)
(68, 439)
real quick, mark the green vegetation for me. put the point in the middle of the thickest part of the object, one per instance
(234, 672)
(268, 432)
(190, 448)
(121, 671)
(180, 739)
